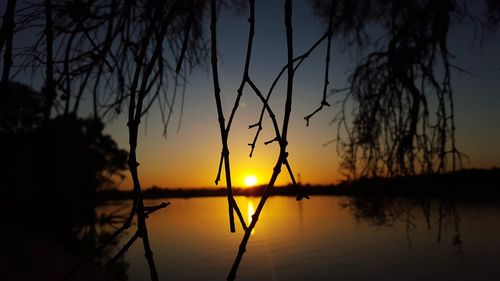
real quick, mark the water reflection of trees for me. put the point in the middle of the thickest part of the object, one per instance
(440, 215)
(87, 238)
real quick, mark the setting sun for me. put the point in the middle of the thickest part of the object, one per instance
(250, 180)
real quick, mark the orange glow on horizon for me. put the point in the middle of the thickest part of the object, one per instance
(171, 165)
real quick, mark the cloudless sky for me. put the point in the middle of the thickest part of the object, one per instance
(190, 157)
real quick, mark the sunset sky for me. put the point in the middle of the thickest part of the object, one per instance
(190, 158)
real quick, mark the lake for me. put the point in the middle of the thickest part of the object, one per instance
(324, 238)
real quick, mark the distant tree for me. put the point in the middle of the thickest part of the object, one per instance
(83, 158)
(21, 109)
(83, 161)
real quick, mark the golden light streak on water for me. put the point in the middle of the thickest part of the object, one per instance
(251, 211)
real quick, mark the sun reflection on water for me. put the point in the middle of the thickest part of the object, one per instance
(251, 211)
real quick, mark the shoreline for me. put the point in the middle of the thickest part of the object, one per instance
(470, 184)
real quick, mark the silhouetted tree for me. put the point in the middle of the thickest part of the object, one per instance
(395, 129)
(21, 109)
(84, 159)
(6, 40)
(114, 53)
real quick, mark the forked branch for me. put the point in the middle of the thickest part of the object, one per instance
(223, 131)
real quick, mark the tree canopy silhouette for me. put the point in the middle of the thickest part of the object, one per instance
(83, 158)
(113, 54)
(403, 116)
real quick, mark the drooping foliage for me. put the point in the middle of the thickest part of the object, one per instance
(402, 118)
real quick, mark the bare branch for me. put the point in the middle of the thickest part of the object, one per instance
(283, 144)
(124, 248)
(223, 131)
(151, 209)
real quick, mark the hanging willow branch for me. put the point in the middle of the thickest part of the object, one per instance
(324, 102)
(111, 53)
(297, 62)
(393, 132)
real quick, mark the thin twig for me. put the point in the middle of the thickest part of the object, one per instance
(298, 60)
(327, 66)
(124, 248)
(151, 209)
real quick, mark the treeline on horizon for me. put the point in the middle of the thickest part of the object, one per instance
(466, 184)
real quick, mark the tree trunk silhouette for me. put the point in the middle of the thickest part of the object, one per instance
(6, 38)
(49, 71)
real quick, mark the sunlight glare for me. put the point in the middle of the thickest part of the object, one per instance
(250, 180)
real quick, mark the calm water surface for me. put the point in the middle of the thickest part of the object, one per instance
(321, 239)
